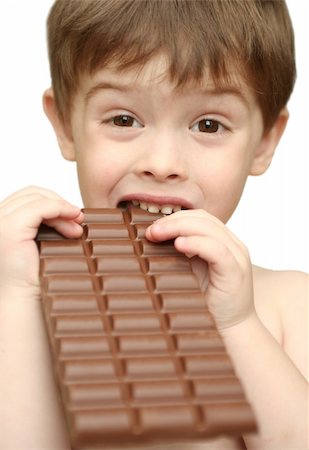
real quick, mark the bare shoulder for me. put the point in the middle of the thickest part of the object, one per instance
(281, 300)
(282, 283)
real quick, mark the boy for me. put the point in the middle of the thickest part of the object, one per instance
(169, 105)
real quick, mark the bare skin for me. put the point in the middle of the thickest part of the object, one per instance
(137, 138)
(26, 371)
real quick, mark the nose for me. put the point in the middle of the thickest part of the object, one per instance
(163, 159)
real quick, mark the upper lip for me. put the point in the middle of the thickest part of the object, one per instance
(160, 200)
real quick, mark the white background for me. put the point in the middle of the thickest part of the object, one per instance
(272, 218)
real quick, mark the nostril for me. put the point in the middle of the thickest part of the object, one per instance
(172, 176)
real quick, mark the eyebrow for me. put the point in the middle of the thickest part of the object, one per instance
(122, 87)
(230, 90)
(105, 85)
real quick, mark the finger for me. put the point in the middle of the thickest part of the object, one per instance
(181, 226)
(188, 215)
(26, 219)
(19, 201)
(25, 196)
(220, 259)
(200, 269)
(198, 226)
(28, 191)
(192, 213)
(68, 228)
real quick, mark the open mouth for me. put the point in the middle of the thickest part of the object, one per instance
(151, 207)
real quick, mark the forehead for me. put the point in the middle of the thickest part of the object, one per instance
(156, 74)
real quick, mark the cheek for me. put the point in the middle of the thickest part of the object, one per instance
(97, 174)
(230, 194)
(222, 188)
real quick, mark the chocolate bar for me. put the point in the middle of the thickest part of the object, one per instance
(136, 351)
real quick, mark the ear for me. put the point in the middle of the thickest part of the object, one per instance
(266, 149)
(62, 130)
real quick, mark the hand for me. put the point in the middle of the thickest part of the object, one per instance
(20, 216)
(224, 260)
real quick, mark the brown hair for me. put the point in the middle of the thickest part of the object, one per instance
(255, 37)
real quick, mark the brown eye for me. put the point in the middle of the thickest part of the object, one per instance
(208, 126)
(123, 121)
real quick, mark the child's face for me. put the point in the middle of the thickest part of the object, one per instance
(137, 138)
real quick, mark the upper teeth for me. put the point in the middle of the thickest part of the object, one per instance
(151, 207)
